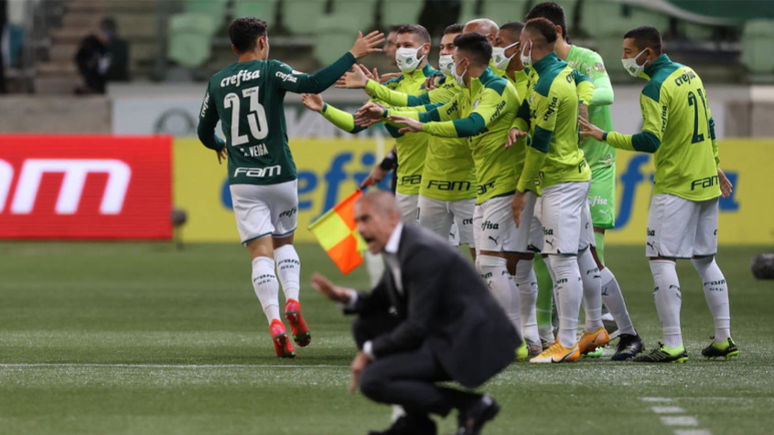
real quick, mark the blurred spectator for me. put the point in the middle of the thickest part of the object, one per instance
(437, 14)
(101, 58)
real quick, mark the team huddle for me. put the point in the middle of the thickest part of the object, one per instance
(509, 145)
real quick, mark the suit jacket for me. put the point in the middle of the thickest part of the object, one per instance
(445, 305)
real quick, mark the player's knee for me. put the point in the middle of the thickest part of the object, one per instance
(563, 265)
(372, 385)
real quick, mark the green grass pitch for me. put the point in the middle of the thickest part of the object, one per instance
(140, 338)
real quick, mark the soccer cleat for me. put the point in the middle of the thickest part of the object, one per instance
(298, 327)
(726, 349)
(535, 349)
(470, 421)
(557, 354)
(663, 354)
(628, 347)
(279, 337)
(590, 341)
(522, 352)
(546, 344)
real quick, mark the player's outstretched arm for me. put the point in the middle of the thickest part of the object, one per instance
(326, 77)
(337, 117)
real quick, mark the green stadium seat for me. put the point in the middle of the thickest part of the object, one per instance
(468, 11)
(757, 54)
(356, 14)
(611, 17)
(332, 38)
(503, 11)
(697, 32)
(190, 38)
(263, 9)
(302, 16)
(214, 8)
(401, 12)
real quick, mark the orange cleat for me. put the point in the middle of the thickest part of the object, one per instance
(589, 341)
(298, 327)
(279, 337)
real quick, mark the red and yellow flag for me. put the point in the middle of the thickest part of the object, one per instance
(337, 233)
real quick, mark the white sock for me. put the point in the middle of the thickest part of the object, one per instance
(613, 298)
(266, 287)
(592, 290)
(569, 289)
(527, 283)
(668, 300)
(716, 293)
(495, 274)
(288, 270)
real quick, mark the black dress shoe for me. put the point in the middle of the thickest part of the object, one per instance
(473, 419)
(409, 425)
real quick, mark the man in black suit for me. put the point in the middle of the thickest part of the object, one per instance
(430, 319)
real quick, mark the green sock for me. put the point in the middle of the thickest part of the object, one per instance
(545, 292)
(600, 239)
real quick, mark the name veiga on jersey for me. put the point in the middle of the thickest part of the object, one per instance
(238, 78)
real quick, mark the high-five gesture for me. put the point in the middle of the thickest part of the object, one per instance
(589, 129)
(366, 45)
(411, 125)
(356, 79)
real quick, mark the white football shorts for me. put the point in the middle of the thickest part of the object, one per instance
(495, 230)
(409, 208)
(563, 207)
(438, 217)
(265, 210)
(680, 228)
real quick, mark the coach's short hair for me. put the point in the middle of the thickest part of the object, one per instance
(645, 37)
(553, 13)
(543, 28)
(453, 28)
(476, 47)
(244, 32)
(415, 29)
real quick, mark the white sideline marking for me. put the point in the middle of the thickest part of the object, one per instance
(667, 409)
(680, 420)
(692, 432)
(170, 366)
(655, 399)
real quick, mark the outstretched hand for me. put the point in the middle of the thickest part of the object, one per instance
(365, 45)
(329, 290)
(589, 129)
(313, 102)
(411, 125)
(514, 136)
(356, 79)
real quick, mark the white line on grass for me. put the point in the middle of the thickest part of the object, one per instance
(655, 399)
(171, 366)
(680, 420)
(692, 432)
(667, 409)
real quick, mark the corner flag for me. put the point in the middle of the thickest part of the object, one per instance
(336, 232)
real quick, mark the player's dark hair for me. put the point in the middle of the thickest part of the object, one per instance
(542, 27)
(109, 24)
(515, 27)
(415, 29)
(476, 47)
(394, 28)
(244, 32)
(645, 37)
(453, 28)
(553, 13)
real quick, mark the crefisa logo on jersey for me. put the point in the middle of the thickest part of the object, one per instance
(238, 78)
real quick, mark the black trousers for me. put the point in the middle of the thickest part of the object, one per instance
(409, 378)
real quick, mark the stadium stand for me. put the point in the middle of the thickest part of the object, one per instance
(757, 55)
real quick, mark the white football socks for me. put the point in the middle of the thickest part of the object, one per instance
(592, 290)
(528, 291)
(716, 293)
(668, 300)
(266, 287)
(495, 273)
(569, 290)
(288, 270)
(613, 298)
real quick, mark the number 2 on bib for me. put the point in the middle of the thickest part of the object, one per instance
(256, 117)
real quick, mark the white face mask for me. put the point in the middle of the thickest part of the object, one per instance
(498, 56)
(406, 58)
(459, 78)
(526, 60)
(445, 64)
(631, 66)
